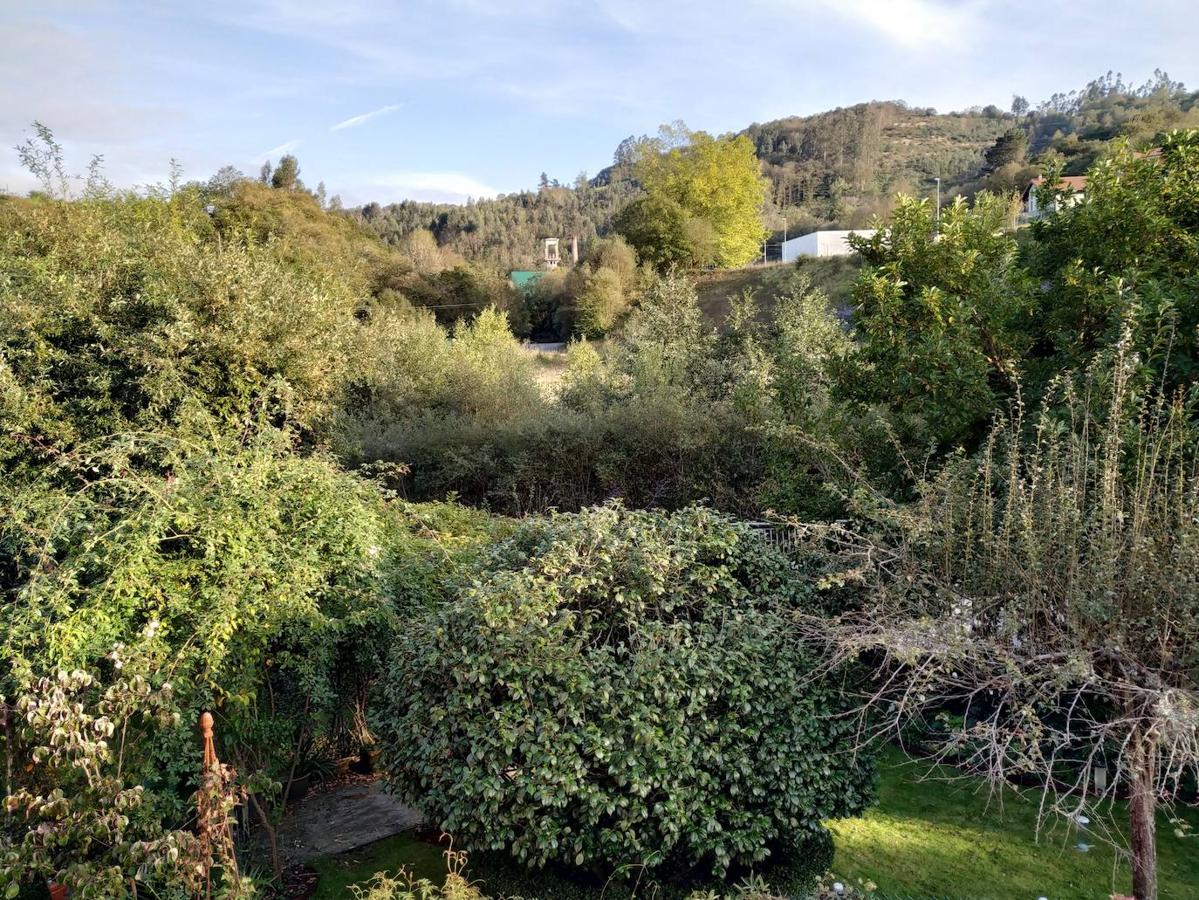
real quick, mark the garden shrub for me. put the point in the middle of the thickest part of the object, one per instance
(622, 688)
(118, 315)
(254, 576)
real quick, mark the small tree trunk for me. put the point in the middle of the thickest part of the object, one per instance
(271, 834)
(1142, 815)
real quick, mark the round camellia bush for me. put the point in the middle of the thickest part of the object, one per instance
(622, 688)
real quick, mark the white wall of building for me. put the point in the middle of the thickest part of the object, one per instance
(821, 243)
(804, 245)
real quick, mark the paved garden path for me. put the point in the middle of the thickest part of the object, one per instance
(343, 818)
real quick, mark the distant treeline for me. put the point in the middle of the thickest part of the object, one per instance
(834, 169)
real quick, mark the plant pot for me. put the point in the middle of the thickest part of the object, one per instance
(57, 891)
(299, 787)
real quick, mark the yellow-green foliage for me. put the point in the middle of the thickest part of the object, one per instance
(718, 180)
(409, 367)
(301, 233)
(232, 566)
(599, 303)
(130, 314)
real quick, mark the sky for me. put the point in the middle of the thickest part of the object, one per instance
(449, 99)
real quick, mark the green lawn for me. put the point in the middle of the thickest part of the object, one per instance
(938, 838)
(930, 838)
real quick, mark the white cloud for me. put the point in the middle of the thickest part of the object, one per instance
(440, 187)
(363, 118)
(285, 147)
(912, 23)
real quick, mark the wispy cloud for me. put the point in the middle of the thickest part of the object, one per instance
(442, 187)
(363, 118)
(285, 147)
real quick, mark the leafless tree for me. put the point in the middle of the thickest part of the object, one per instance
(1046, 592)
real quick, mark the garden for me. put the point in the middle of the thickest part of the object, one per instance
(769, 607)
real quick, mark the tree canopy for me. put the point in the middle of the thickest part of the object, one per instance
(718, 181)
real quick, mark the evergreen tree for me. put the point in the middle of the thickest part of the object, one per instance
(1009, 147)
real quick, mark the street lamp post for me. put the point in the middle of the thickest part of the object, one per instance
(938, 216)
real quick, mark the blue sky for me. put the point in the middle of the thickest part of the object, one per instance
(455, 98)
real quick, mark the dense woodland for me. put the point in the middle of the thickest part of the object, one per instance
(261, 463)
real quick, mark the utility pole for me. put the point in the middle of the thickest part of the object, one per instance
(938, 217)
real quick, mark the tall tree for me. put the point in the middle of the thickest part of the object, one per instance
(224, 179)
(718, 180)
(662, 233)
(287, 174)
(1127, 257)
(936, 317)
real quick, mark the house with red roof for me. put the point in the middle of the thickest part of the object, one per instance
(1072, 188)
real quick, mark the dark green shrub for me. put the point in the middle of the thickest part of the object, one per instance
(622, 689)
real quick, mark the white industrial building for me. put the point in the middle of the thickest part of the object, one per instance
(821, 243)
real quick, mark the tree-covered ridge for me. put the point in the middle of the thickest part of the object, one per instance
(839, 165)
(833, 169)
(506, 232)
(1077, 124)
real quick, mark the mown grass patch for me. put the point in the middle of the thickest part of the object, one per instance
(933, 835)
(406, 850)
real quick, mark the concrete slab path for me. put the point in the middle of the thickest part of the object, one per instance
(343, 818)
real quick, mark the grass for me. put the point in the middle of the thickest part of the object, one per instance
(930, 836)
(833, 275)
(933, 837)
(421, 859)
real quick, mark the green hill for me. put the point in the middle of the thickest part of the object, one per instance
(835, 169)
(842, 166)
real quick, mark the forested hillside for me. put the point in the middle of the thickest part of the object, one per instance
(842, 166)
(505, 232)
(834, 169)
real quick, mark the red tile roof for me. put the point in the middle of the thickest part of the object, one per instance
(1077, 183)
